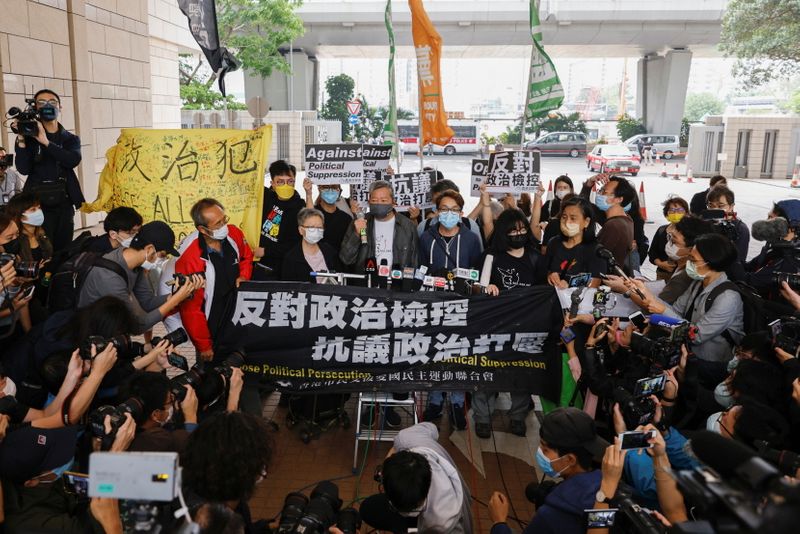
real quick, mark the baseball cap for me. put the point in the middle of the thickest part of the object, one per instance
(572, 428)
(27, 451)
(158, 234)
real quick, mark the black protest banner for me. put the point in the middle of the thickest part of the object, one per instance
(309, 337)
(515, 171)
(334, 164)
(412, 189)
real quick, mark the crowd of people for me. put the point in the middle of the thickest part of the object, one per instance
(718, 331)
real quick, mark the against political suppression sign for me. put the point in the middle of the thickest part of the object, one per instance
(376, 160)
(513, 171)
(310, 337)
(334, 164)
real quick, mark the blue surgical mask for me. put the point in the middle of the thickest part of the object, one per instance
(34, 218)
(713, 423)
(691, 270)
(48, 112)
(330, 196)
(601, 201)
(449, 220)
(546, 464)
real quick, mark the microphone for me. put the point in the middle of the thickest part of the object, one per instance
(371, 271)
(662, 320)
(606, 254)
(363, 232)
(576, 299)
(384, 273)
(396, 275)
(732, 459)
(408, 279)
(770, 230)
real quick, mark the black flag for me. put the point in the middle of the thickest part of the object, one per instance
(202, 15)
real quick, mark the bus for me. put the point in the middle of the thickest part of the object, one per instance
(465, 137)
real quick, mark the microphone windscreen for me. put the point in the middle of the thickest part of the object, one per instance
(722, 454)
(770, 230)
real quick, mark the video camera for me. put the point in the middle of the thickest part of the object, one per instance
(725, 224)
(27, 119)
(209, 384)
(792, 279)
(315, 515)
(663, 352)
(133, 406)
(24, 269)
(636, 411)
(630, 517)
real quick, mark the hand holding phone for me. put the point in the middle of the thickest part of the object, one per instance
(636, 440)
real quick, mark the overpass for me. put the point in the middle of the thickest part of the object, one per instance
(663, 34)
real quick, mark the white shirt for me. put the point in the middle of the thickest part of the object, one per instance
(384, 239)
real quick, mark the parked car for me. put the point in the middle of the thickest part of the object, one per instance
(613, 158)
(666, 145)
(572, 144)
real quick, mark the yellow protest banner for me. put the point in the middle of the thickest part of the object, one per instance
(161, 173)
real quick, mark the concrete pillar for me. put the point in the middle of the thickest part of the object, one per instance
(284, 92)
(661, 90)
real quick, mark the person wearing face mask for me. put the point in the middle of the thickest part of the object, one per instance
(218, 250)
(18, 309)
(381, 234)
(11, 182)
(719, 328)
(158, 408)
(617, 231)
(468, 221)
(279, 232)
(312, 254)
(147, 252)
(49, 160)
(569, 448)
(544, 214)
(336, 220)
(573, 252)
(721, 198)
(120, 226)
(675, 209)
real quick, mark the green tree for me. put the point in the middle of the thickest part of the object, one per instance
(763, 35)
(339, 90)
(698, 105)
(793, 104)
(627, 127)
(197, 95)
(684, 137)
(559, 122)
(254, 31)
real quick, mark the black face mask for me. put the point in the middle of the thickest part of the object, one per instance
(12, 247)
(518, 241)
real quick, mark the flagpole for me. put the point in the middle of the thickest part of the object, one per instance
(421, 147)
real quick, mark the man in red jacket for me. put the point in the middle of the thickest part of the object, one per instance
(220, 251)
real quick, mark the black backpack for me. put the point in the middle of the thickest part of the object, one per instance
(66, 283)
(756, 312)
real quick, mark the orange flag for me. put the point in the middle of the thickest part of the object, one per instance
(428, 48)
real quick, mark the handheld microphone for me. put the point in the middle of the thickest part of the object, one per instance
(408, 279)
(662, 320)
(362, 232)
(371, 271)
(606, 254)
(770, 230)
(576, 299)
(384, 272)
(396, 275)
(732, 459)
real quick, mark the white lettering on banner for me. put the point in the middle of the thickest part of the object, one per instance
(330, 349)
(493, 342)
(286, 309)
(409, 314)
(249, 307)
(369, 315)
(372, 349)
(424, 65)
(327, 311)
(529, 342)
(449, 347)
(449, 313)
(411, 348)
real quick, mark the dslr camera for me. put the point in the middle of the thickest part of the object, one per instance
(27, 119)
(24, 269)
(792, 279)
(133, 406)
(209, 384)
(178, 279)
(663, 352)
(315, 515)
(635, 410)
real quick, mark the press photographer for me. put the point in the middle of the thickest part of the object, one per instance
(48, 154)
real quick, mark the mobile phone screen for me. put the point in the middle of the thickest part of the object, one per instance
(178, 361)
(634, 440)
(567, 335)
(600, 518)
(650, 386)
(78, 482)
(638, 320)
(775, 328)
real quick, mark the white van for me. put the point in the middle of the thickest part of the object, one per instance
(666, 146)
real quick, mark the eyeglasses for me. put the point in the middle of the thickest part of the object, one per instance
(225, 220)
(450, 210)
(516, 233)
(718, 206)
(411, 513)
(313, 227)
(676, 210)
(53, 102)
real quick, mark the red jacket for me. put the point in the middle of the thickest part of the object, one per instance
(194, 311)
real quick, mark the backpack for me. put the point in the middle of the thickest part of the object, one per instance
(756, 312)
(66, 283)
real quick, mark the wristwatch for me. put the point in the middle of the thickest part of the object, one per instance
(601, 497)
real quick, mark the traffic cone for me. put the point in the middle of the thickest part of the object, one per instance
(689, 176)
(642, 202)
(664, 171)
(676, 175)
(795, 178)
(550, 195)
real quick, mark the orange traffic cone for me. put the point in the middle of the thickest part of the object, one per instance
(664, 171)
(676, 175)
(795, 178)
(550, 195)
(689, 176)
(642, 202)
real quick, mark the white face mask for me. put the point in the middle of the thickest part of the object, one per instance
(671, 249)
(35, 217)
(712, 423)
(150, 265)
(10, 388)
(561, 193)
(723, 395)
(170, 413)
(220, 233)
(314, 235)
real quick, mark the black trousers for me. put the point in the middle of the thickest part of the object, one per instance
(59, 224)
(377, 513)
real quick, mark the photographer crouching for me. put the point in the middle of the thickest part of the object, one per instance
(48, 154)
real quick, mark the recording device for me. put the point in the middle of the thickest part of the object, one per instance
(636, 440)
(575, 301)
(663, 352)
(602, 297)
(24, 269)
(792, 279)
(209, 384)
(636, 411)
(116, 414)
(7, 161)
(419, 277)
(175, 338)
(371, 271)
(120, 342)
(384, 272)
(600, 518)
(724, 222)
(27, 119)
(631, 517)
(362, 233)
(465, 281)
(77, 483)
(396, 277)
(408, 279)
(142, 476)
(567, 335)
(770, 230)
(315, 515)
(787, 462)
(178, 279)
(580, 280)
(606, 254)
(28, 292)
(638, 320)
(786, 334)
(650, 386)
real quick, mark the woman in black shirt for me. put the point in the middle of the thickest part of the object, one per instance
(572, 255)
(548, 213)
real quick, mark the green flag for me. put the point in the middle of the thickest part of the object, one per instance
(390, 122)
(545, 92)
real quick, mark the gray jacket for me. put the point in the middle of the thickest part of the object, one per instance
(404, 247)
(448, 508)
(136, 292)
(726, 313)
